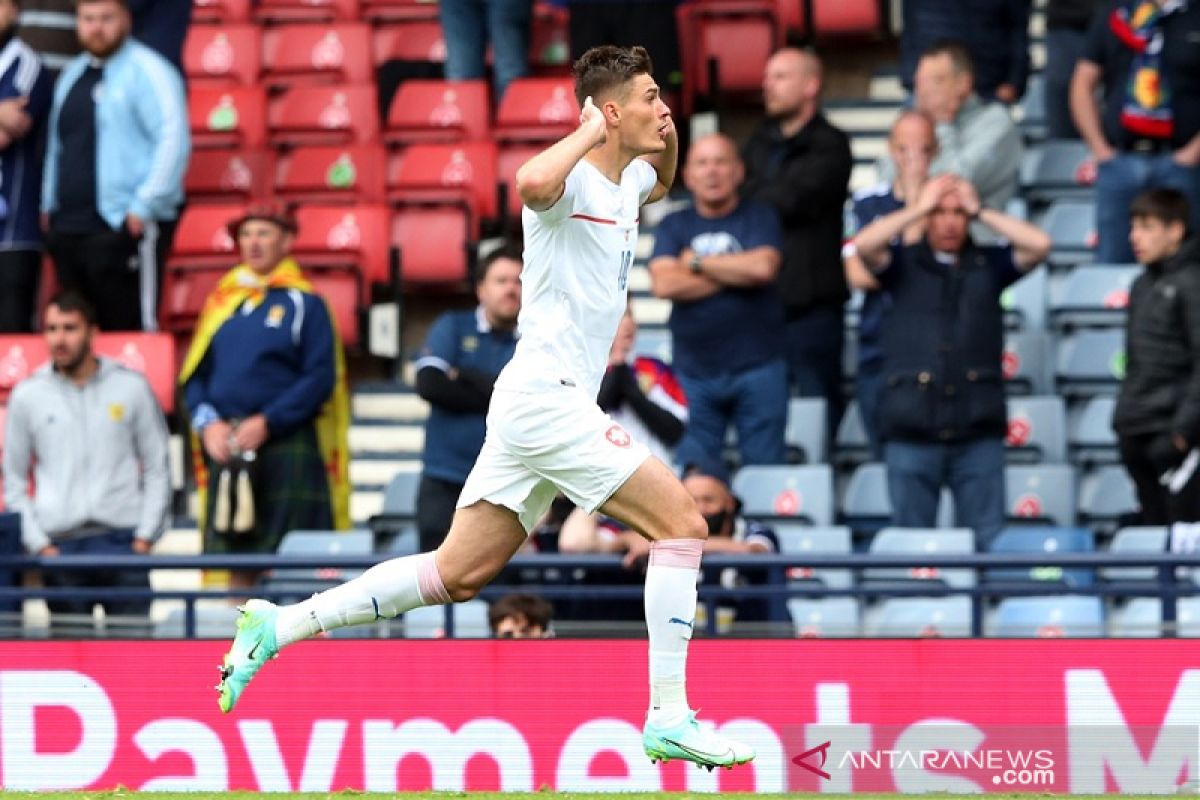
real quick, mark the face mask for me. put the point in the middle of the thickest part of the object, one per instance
(716, 522)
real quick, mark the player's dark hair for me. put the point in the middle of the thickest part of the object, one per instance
(960, 57)
(534, 609)
(1164, 205)
(602, 69)
(509, 250)
(122, 3)
(68, 300)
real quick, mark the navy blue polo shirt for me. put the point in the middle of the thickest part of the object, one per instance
(737, 328)
(869, 205)
(460, 339)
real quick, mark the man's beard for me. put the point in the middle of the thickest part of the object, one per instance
(105, 51)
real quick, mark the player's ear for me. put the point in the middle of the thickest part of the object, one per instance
(612, 112)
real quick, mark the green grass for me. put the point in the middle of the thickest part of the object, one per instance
(132, 794)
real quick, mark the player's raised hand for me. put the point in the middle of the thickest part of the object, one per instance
(591, 119)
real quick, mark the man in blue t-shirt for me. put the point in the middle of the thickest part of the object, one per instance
(462, 356)
(912, 144)
(717, 262)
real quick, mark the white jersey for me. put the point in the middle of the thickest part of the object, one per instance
(576, 277)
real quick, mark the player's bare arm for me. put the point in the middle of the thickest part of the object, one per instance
(542, 179)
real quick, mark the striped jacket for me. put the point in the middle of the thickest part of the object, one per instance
(22, 75)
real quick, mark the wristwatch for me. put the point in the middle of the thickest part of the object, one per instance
(694, 264)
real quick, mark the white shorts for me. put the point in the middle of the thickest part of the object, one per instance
(538, 444)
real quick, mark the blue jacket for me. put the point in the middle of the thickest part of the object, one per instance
(22, 75)
(142, 136)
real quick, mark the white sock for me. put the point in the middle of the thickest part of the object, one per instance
(382, 592)
(670, 613)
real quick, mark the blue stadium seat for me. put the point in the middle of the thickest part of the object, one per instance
(1090, 362)
(824, 618)
(1040, 493)
(1027, 363)
(796, 539)
(429, 622)
(801, 492)
(399, 504)
(932, 541)
(1024, 302)
(1093, 296)
(916, 617)
(1043, 540)
(1037, 430)
(805, 432)
(303, 582)
(852, 447)
(1049, 617)
(1106, 496)
(1092, 439)
(1056, 170)
(1031, 111)
(1141, 617)
(1149, 540)
(1072, 228)
(866, 504)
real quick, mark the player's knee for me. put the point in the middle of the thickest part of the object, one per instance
(464, 588)
(689, 525)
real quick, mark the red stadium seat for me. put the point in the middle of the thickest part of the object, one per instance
(20, 355)
(276, 11)
(221, 56)
(344, 237)
(433, 244)
(184, 293)
(509, 161)
(417, 40)
(228, 117)
(550, 41)
(224, 176)
(739, 35)
(308, 54)
(350, 174)
(537, 110)
(447, 173)
(202, 240)
(340, 290)
(846, 17)
(152, 354)
(315, 115)
(790, 14)
(222, 11)
(397, 10)
(438, 111)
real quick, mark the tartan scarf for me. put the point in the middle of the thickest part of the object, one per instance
(1138, 25)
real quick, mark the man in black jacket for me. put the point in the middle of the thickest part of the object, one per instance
(800, 164)
(1157, 418)
(463, 354)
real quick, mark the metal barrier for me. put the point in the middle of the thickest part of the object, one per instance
(1168, 586)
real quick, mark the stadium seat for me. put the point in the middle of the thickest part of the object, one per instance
(824, 618)
(653, 343)
(429, 622)
(841, 18)
(1141, 617)
(1037, 430)
(212, 622)
(1090, 362)
(281, 11)
(511, 158)
(1071, 225)
(1056, 170)
(549, 40)
(799, 540)
(920, 617)
(1024, 302)
(398, 10)
(805, 431)
(1093, 296)
(866, 504)
(802, 492)
(316, 115)
(152, 354)
(1092, 439)
(1027, 363)
(447, 173)
(433, 244)
(20, 355)
(537, 110)
(1049, 617)
(419, 40)
(400, 497)
(404, 542)
(202, 239)
(344, 237)
(438, 111)
(1106, 497)
(939, 541)
(308, 54)
(852, 447)
(220, 11)
(222, 56)
(331, 174)
(1042, 493)
(734, 38)
(1043, 540)
(184, 293)
(225, 176)
(1134, 540)
(305, 581)
(231, 118)
(1031, 110)
(342, 292)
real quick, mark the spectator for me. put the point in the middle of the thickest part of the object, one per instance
(92, 435)
(110, 227)
(470, 25)
(1144, 55)
(462, 356)
(24, 104)
(162, 25)
(800, 165)
(1157, 418)
(911, 146)
(942, 414)
(1066, 31)
(265, 386)
(994, 32)
(626, 23)
(976, 140)
(717, 263)
(521, 616)
(48, 26)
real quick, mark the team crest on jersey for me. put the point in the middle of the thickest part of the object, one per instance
(275, 316)
(617, 436)
(470, 344)
(116, 412)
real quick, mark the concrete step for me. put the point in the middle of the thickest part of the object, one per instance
(863, 119)
(387, 438)
(390, 406)
(378, 472)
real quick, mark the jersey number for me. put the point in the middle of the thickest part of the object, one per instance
(623, 276)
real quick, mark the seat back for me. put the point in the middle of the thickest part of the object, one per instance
(1091, 362)
(409, 40)
(537, 110)
(1106, 496)
(921, 617)
(222, 56)
(805, 431)
(447, 173)
(939, 541)
(1026, 363)
(227, 117)
(337, 174)
(1037, 430)
(1092, 438)
(1137, 539)
(280, 11)
(20, 355)
(433, 244)
(804, 492)
(1043, 540)
(224, 176)
(429, 622)
(1049, 617)
(202, 238)
(344, 237)
(1040, 493)
(151, 354)
(825, 617)
(1093, 295)
(305, 54)
(313, 115)
(800, 540)
(1071, 225)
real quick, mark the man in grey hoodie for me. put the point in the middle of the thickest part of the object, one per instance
(94, 437)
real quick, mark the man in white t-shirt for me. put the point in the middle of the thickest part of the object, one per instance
(545, 431)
